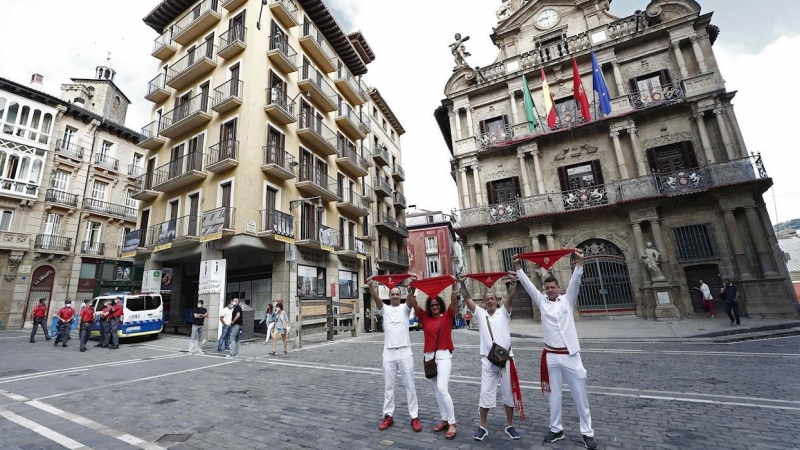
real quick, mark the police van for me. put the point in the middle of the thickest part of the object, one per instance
(141, 315)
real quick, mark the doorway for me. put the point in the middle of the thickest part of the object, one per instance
(710, 275)
(606, 284)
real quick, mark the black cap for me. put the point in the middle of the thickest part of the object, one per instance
(87, 300)
(67, 302)
(42, 300)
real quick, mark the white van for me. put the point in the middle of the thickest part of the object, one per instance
(141, 314)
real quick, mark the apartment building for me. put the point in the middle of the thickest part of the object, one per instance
(433, 249)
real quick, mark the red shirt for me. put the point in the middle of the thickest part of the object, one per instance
(116, 310)
(106, 313)
(87, 314)
(433, 326)
(40, 311)
(66, 313)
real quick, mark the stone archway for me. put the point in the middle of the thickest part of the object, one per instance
(606, 285)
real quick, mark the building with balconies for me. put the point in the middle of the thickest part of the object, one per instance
(281, 84)
(659, 189)
(433, 248)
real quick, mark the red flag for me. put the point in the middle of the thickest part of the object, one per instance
(547, 258)
(488, 278)
(516, 391)
(580, 92)
(392, 280)
(433, 286)
(549, 102)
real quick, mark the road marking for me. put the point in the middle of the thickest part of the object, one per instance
(69, 370)
(54, 436)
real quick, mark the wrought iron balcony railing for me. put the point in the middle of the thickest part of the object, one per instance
(159, 82)
(280, 43)
(227, 90)
(275, 96)
(494, 137)
(198, 103)
(316, 232)
(134, 170)
(231, 35)
(389, 221)
(277, 222)
(227, 149)
(657, 96)
(52, 242)
(204, 50)
(150, 130)
(309, 30)
(163, 40)
(106, 162)
(178, 167)
(61, 197)
(393, 256)
(70, 149)
(167, 231)
(318, 177)
(194, 14)
(100, 206)
(318, 127)
(383, 185)
(92, 248)
(278, 156)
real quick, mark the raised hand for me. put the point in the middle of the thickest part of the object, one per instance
(516, 261)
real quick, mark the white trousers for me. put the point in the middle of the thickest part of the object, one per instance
(395, 359)
(491, 375)
(571, 368)
(441, 383)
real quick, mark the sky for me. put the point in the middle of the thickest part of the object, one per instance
(410, 38)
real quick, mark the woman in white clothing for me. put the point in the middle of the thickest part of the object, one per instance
(269, 320)
(281, 328)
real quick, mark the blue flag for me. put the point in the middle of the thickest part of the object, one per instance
(599, 86)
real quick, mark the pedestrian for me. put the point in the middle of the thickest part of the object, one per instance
(198, 327)
(468, 317)
(367, 321)
(437, 328)
(65, 317)
(708, 300)
(115, 322)
(105, 324)
(494, 328)
(561, 356)
(268, 321)
(236, 326)
(281, 327)
(730, 295)
(225, 317)
(397, 355)
(40, 318)
(86, 321)
(379, 320)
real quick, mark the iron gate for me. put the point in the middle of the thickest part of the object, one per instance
(606, 286)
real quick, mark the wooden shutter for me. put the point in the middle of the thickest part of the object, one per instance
(689, 155)
(490, 194)
(483, 126)
(516, 186)
(665, 78)
(634, 86)
(651, 160)
(505, 120)
(597, 171)
(562, 178)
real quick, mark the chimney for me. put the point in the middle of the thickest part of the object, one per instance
(37, 80)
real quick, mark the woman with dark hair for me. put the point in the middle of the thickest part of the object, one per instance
(268, 321)
(437, 326)
(281, 328)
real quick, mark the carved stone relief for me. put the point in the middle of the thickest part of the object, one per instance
(13, 264)
(658, 141)
(647, 65)
(500, 174)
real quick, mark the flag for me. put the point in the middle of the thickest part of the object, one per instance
(599, 86)
(549, 103)
(530, 108)
(580, 92)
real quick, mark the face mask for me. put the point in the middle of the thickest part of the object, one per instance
(199, 305)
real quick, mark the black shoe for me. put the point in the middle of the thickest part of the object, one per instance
(83, 350)
(47, 339)
(588, 442)
(99, 345)
(104, 346)
(64, 345)
(55, 344)
(553, 437)
(32, 341)
(114, 347)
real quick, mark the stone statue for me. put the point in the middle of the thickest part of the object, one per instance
(459, 51)
(652, 260)
(508, 8)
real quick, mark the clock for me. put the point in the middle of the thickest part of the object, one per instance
(547, 18)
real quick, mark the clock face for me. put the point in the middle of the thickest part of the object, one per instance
(547, 18)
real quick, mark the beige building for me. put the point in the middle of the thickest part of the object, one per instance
(658, 192)
(65, 194)
(268, 150)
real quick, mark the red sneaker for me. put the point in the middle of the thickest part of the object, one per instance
(415, 425)
(386, 423)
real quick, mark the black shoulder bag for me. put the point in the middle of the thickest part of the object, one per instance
(430, 365)
(497, 355)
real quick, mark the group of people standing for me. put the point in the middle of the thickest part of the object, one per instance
(109, 317)
(729, 295)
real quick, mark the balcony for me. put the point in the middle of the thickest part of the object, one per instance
(363, 90)
(181, 172)
(316, 236)
(10, 240)
(135, 171)
(494, 137)
(317, 48)
(232, 5)
(52, 243)
(380, 155)
(157, 90)
(196, 22)
(281, 54)
(285, 11)
(399, 200)
(392, 258)
(277, 225)
(186, 117)
(151, 140)
(352, 203)
(348, 122)
(164, 47)
(348, 85)
(228, 96)
(352, 247)
(389, 225)
(196, 63)
(367, 193)
(382, 187)
(232, 42)
(93, 248)
(320, 92)
(109, 209)
(18, 189)
(367, 233)
(280, 107)
(350, 162)
(398, 174)
(173, 233)
(663, 95)
(143, 188)
(218, 221)
(702, 84)
(61, 198)
(278, 162)
(365, 122)
(223, 156)
(69, 150)
(316, 135)
(314, 182)
(106, 163)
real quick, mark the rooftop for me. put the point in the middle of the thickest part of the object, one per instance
(386, 110)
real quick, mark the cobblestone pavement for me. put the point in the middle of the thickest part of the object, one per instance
(150, 395)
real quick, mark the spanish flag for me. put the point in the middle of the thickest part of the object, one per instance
(549, 103)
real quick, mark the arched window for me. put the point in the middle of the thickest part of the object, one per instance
(78, 100)
(46, 123)
(36, 171)
(2, 162)
(116, 103)
(22, 173)
(13, 109)
(23, 118)
(2, 107)
(11, 169)
(37, 116)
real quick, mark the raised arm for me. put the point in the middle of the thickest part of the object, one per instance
(511, 287)
(465, 293)
(453, 298)
(373, 290)
(574, 287)
(536, 297)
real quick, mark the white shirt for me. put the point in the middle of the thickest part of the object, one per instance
(706, 292)
(558, 323)
(395, 326)
(500, 329)
(227, 315)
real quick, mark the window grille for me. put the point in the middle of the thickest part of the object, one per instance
(695, 243)
(506, 256)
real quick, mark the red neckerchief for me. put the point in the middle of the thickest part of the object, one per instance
(392, 280)
(433, 286)
(487, 278)
(547, 258)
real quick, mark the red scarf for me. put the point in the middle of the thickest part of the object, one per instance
(516, 391)
(433, 286)
(487, 278)
(392, 280)
(544, 374)
(547, 258)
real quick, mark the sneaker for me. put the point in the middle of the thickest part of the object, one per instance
(386, 423)
(553, 437)
(712, 316)
(441, 426)
(512, 432)
(272, 353)
(588, 442)
(285, 352)
(228, 357)
(480, 434)
(32, 341)
(415, 425)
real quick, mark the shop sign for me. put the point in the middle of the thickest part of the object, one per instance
(213, 223)
(151, 282)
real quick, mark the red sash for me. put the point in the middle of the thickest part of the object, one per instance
(516, 391)
(547, 258)
(392, 280)
(487, 278)
(544, 374)
(433, 286)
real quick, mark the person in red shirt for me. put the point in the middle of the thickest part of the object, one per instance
(437, 326)
(105, 324)
(40, 318)
(65, 317)
(86, 321)
(116, 321)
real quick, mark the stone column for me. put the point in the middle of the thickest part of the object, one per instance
(473, 259)
(487, 265)
(464, 188)
(618, 78)
(737, 244)
(723, 131)
(476, 178)
(698, 55)
(523, 169)
(537, 169)
(623, 169)
(457, 117)
(676, 47)
(514, 115)
(762, 246)
(704, 140)
(658, 237)
(536, 248)
(469, 121)
(638, 155)
(638, 240)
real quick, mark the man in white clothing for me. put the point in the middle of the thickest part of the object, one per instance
(396, 354)
(561, 355)
(708, 300)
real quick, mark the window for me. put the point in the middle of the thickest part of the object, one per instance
(61, 180)
(568, 113)
(580, 175)
(52, 226)
(99, 190)
(348, 284)
(125, 232)
(695, 243)
(385, 128)
(93, 232)
(431, 245)
(310, 282)
(375, 112)
(138, 163)
(135, 303)
(433, 265)
(503, 191)
(130, 202)
(672, 158)
(5, 219)
(506, 256)
(105, 151)
(652, 88)
(495, 127)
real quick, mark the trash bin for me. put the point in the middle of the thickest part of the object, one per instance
(248, 320)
